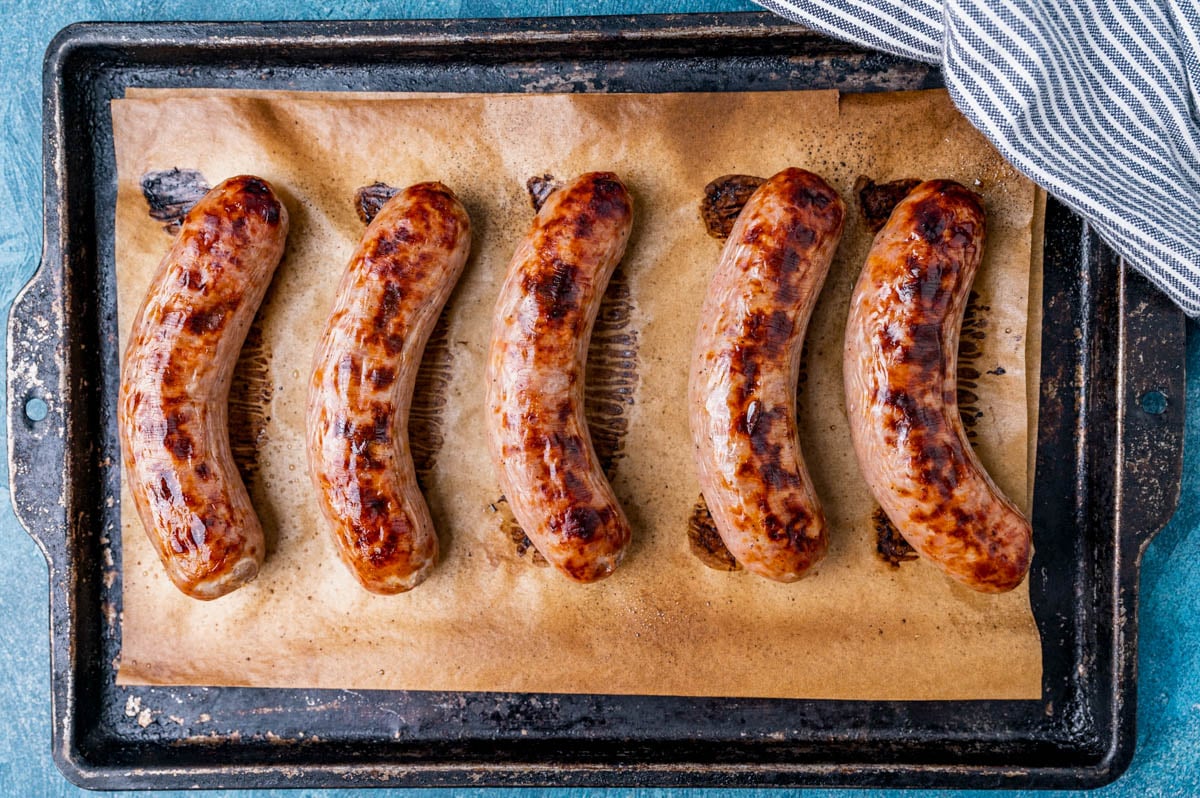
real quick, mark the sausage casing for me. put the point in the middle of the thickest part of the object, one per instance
(745, 366)
(172, 409)
(537, 432)
(389, 298)
(900, 371)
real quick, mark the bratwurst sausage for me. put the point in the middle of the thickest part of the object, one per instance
(401, 275)
(900, 373)
(745, 366)
(172, 410)
(537, 433)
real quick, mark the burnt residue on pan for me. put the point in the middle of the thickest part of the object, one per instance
(171, 193)
(876, 200)
(705, 542)
(250, 396)
(369, 199)
(890, 545)
(970, 351)
(801, 378)
(522, 545)
(432, 386)
(723, 201)
(429, 400)
(611, 373)
(540, 187)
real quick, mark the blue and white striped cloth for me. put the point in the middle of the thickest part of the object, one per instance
(1094, 100)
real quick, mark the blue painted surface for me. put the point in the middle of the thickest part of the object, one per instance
(1168, 757)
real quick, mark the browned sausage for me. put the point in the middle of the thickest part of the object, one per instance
(536, 429)
(745, 366)
(401, 275)
(900, 371)
(172, 410)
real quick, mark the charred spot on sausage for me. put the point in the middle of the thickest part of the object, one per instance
(258, 199)
(209, 320)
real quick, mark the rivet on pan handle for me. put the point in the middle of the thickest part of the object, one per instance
(36, 410)
(1153, 343)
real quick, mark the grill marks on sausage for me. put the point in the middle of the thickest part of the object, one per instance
(369, 435)
(557, 284)
(911, 421)
(902, 343)
(380, 533)
(538, 404)
(180, 356)
(931, 284)
(557, 290)
(404, 267)
(211, 319)
(208, 298)
(256, 200)
(787, 233)
(934, 456)
(611, 382)
(582, 522)
(559, 287)
(876, 202)
(177, 437)
(430, 395)
(764, 339)
(569, 456)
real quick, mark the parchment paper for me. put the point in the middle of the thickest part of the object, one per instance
(488, 619)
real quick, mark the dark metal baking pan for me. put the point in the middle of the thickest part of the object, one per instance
(1108, 471)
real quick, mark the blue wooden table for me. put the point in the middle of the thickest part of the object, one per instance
(1168, 757)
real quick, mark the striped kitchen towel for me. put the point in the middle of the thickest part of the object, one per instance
(1094, 100)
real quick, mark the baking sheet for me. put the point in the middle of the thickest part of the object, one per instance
(488, 619)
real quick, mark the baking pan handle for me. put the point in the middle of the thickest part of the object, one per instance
(37, 408)
(1153, 348)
